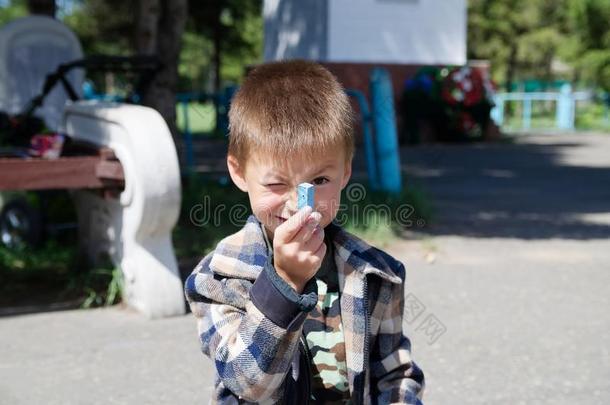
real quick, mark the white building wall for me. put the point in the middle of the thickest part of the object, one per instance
(295, 29)
(397, 31)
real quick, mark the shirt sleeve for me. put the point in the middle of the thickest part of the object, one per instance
(250, 330)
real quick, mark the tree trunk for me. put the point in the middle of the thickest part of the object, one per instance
(42, 7)
(146, 26)
(159, 31)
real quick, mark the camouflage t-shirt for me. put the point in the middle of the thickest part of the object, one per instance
(324, 335)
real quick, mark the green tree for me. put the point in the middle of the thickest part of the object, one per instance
(13, 10)
(103, 26)
(519, 37)
(589, 47)
(195, 68)
(523, 38)
(234, 29)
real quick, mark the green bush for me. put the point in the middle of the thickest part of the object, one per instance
(592, 116)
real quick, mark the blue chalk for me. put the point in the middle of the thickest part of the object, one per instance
(305, 195)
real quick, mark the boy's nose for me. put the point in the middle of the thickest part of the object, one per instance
(291, 202)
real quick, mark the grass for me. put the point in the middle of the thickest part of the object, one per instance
(112, 287)
(35, 273)
(54, 273)
(379, 217)
(201, 118)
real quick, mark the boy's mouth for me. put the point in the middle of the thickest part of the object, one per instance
(282, 220)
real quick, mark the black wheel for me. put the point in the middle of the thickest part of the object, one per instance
(20, 225)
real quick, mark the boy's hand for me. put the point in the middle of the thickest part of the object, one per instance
(299, 248)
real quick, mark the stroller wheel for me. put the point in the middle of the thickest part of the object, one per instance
(20, 225)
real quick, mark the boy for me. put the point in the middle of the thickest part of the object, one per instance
(292, 309)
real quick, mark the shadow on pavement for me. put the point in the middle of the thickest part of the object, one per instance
(539, 187)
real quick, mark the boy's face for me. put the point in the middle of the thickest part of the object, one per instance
(272, 187)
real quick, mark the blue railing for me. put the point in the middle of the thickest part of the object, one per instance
(386, 136)
(184, 99)
(565, 106)
(221, 103)
(366, 119)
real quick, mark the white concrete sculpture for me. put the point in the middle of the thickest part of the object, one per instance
(135, 229)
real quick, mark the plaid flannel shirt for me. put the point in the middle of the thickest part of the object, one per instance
(251, 331)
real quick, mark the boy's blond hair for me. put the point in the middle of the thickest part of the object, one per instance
(289, 108)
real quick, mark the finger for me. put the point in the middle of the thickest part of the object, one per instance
(310, 226)
(291, 227)
(320, 253)
(317, 239)
(315, 259)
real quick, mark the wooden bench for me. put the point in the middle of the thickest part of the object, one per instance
(100, 170)
(127, 193)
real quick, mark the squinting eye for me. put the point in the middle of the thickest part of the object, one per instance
(320, 180)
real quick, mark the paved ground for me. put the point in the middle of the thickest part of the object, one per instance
(520, 272)
(508, 295)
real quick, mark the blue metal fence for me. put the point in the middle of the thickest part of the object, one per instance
(565, 106)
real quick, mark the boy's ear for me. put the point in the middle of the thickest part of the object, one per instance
(237, 173)
(347, 174)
